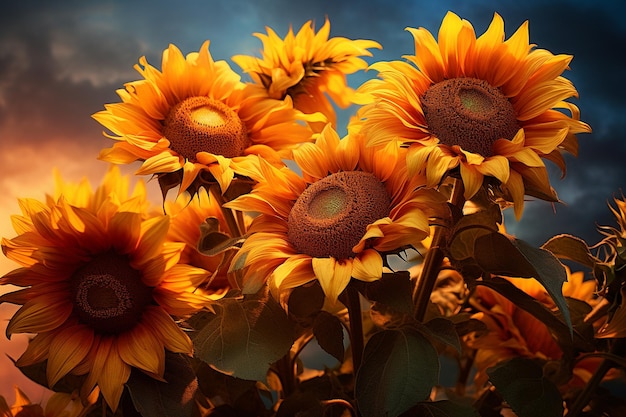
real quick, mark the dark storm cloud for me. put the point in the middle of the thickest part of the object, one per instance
(595, 36)
(56, 69)
(61, 61)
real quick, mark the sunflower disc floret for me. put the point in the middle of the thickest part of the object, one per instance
(330, 216)
(470, 113)
(202, 124)
(108, 294)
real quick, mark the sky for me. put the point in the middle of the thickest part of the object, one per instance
(61, 61)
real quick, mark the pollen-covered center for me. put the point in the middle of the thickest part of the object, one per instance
(108, 294)
(470, 113)
(202, 124)
(331, 216)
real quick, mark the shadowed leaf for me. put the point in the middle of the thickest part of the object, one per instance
(445, 408)
(500, 255)
(173, 398)
(444, 331)
(328, 331)
(399, 369)
(213, 242)
(525, 389)
(572, 248)
(244, 336)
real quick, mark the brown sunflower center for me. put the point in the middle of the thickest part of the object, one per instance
(470, 113)
(108, 294)
(202, 124)
(332, 214)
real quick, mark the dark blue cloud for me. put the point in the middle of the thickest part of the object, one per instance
(61, 61)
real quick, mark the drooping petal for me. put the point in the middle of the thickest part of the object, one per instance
(67, 349)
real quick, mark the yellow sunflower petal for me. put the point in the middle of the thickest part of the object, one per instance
(368, 266)
(333, 275)
(167, 331)
(41, 314)
(115, 374)
(139, 348)
(67, 349)
(294, 272)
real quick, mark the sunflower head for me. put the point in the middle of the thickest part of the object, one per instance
(485, 109)
(101, 285)
(200, 223)
(352, 205)
(190, 121)
(307, 66)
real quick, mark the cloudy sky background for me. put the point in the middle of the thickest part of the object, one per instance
(61, 61)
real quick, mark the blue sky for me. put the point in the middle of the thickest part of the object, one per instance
(61, 61)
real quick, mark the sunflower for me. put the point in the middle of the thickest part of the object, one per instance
(189, 215)
(352, 204)
(513, 332)
(306, 66)
(58, 405)
(101, 285)
(488, 107)
(189, 121)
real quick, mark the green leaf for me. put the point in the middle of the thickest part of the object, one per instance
(213, 242)
(444, 331)
(560, 331)
(328, 332)
(550, 273)
(445, 408)
(501, 255)
(525, 389)
(221, 388)
(469, 228)
(393, 291)
(496, 254)
(244, 336)
(173, 398)
(572, 248)
(399, 369)
(306, 300)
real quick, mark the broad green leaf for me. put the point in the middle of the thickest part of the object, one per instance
(560, 330)
(572, 248)
(484, 219)
(500, 255)
(244, 336)
(173, 398)
(550, 273)
(393, 291)
(443, 330)
(445, 408)
(228, 389)
(525, 389)
(469, 228)
(328, 332)
(496, 254)
(213, 242)
(306, 300)
(399, 369)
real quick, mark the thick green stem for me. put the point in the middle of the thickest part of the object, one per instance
(434, 258)
(229, 216)
(350, 298)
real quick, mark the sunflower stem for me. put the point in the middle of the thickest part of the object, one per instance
(619, 349)
(286, 372)
(350, 297)
(434, 258)
(229, 216)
